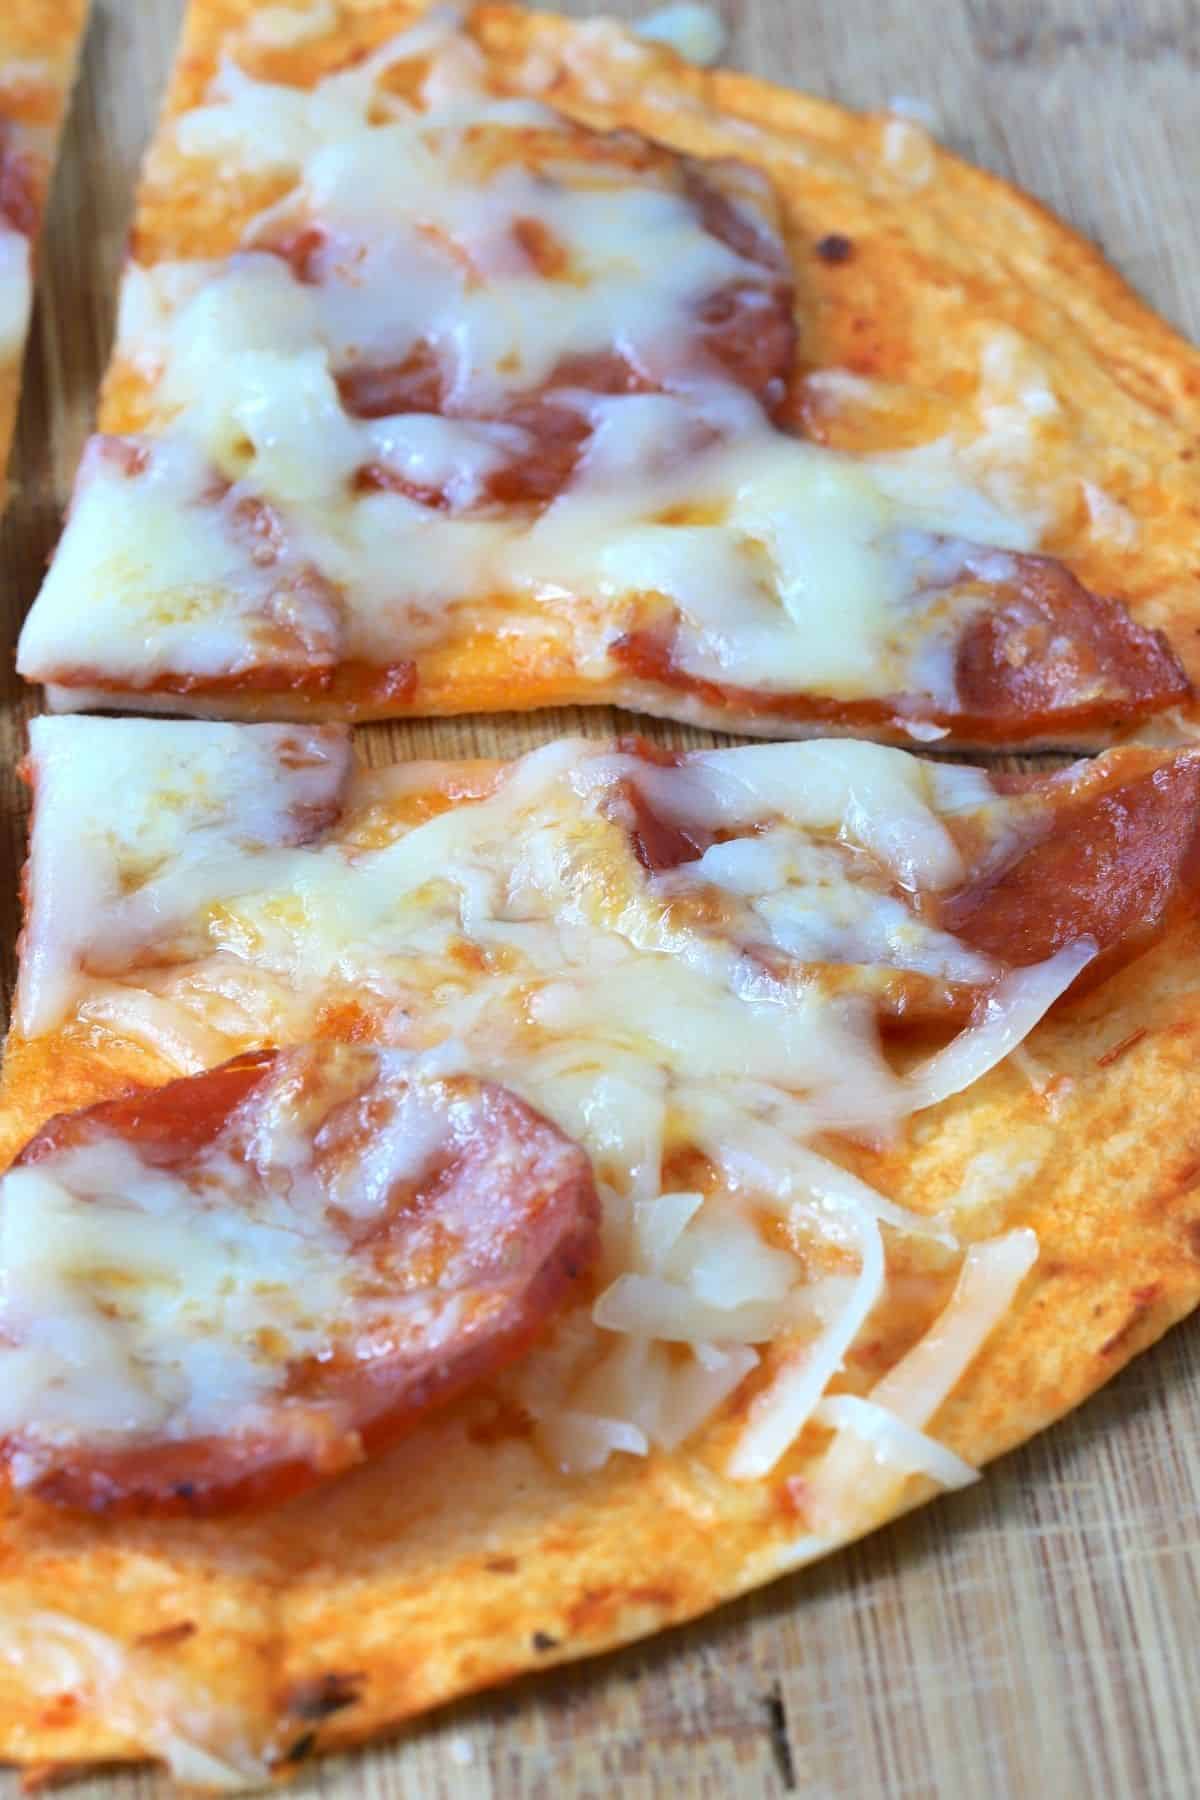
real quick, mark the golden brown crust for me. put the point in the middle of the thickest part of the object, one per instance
(949, 271)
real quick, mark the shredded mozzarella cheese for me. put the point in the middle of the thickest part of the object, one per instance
(894, 1442)
(780, 1413)
(913, 1390)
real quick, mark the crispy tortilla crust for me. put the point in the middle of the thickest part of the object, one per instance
(462, 1559)
(39, 49)
(943, 261)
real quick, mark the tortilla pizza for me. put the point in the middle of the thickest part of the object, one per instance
(461, 1216)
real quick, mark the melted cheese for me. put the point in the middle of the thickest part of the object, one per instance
(516, 936)
(133, 1316)
(194, 811)
(1013, 1008)
(787, 567)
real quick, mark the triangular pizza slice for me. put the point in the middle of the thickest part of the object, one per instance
(479, 365)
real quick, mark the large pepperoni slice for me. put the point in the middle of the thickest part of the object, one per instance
(1108, 851)
(1045, 649)
(222, 1291)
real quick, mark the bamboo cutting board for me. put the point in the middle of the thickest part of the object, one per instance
(1040, 1634)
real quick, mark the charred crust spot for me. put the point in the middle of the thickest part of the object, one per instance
(542, 1642)
(303, 1747)
(320, 1695)
(835, 248)
(777, 1731)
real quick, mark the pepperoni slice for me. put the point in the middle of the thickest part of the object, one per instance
(736, 203)
(377, 391)
(1109, 853)
(749, 327)
(658, 843)
(739, 330)
(555, 434)
(751, 331)
(278, 1268)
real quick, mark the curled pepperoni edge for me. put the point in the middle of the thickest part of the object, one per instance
(1107, 849)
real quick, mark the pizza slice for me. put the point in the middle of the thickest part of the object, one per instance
(588, 1186)
(511, 363)
(39, 49)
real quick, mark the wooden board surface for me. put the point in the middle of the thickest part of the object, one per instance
(1039, 1634)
